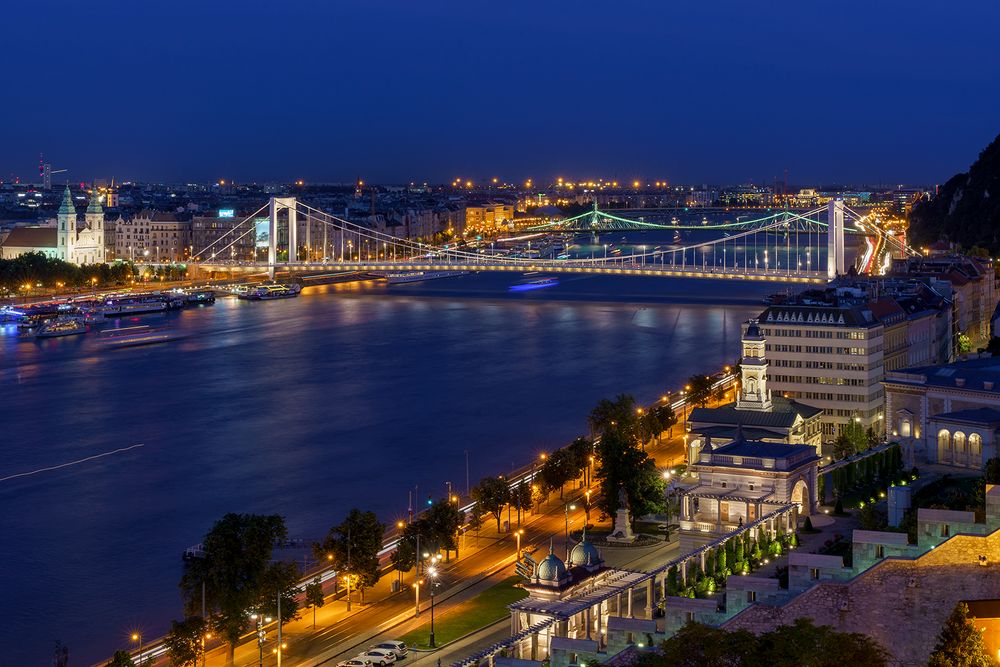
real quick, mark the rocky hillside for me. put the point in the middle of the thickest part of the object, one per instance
(967, 207)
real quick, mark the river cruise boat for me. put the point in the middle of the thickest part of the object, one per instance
(61, 326)
(537, 283)
(420, 276)
(269, 292)
(137, 335)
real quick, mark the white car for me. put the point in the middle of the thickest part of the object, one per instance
(397, 647)
(355, 662)
(378, 656)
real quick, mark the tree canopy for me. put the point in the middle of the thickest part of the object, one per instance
(801, 644)
(960, 643)
(239, 574)
(184, 641)
(491, 495)
(354, 545)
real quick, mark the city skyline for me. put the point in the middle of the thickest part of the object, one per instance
(395, 93)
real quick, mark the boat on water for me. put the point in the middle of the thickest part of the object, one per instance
(137, 335)
(123, 307)
(205, 296)
(419, 276)
(533, 284)
(270, 292)
(61, 326)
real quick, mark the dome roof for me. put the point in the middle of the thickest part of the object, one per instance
(584, 553)
(753, 331)
(551, 568)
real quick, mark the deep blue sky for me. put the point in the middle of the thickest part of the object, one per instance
(700, 91)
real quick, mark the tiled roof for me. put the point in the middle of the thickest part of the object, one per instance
(31, 237)
(973, 415)
(971, 375)
(782, 414)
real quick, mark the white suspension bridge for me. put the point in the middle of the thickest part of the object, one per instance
(785, 246)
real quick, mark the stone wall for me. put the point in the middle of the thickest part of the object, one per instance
(901, 603)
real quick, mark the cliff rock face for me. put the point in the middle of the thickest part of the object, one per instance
(967, 207)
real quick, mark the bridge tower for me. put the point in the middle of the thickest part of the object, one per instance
(277, 205)
(835, 239)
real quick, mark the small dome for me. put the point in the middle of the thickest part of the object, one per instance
(551, 568)
(584, 553)
(753, 331)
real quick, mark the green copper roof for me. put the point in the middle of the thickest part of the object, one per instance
(95, 203)
(67, 203)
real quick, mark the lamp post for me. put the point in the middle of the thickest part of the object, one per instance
(416, 605)
(205, 637)
(586, 507)
(518, 533)
(261, 635)
(137, 638)
(568, 508)
(432, 575)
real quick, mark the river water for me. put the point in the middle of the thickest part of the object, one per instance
(347, 396)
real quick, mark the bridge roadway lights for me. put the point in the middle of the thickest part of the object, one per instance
(811, 277)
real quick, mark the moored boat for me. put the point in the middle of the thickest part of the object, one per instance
(419, 276)
(275, 291)
(61, 326)
(137, 335)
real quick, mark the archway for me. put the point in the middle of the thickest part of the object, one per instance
(959, 454)
(975, 450)
(800, 496)
(944, 446)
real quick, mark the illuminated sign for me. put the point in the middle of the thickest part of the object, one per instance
(262, 232)
(227, 213)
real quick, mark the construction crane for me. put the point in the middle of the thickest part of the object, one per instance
(45, 170)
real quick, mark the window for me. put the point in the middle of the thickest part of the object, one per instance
(904, 428)
(945, 530)
(814, 573)
(689, 616)
(751, 596)
(879, 551)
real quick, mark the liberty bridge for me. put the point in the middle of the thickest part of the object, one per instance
(783, 246)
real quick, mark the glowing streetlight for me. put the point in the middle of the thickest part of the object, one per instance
(518, 533)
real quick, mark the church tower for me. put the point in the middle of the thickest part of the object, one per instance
(95, 214)
(66, 227)
(754, 394)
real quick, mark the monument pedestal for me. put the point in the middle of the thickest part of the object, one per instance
(622, 531)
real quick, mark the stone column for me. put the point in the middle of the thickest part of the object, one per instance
(597, 625)
(650, 592)
(618, 604)
(630, 603)
(515, 623)
(586, 620)
(534, 646)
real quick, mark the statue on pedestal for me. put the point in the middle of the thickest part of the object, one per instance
(622, 532)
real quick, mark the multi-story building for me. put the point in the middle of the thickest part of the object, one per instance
(829, 355)
(488, 217)
(154, 236)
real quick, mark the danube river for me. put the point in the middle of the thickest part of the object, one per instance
(347, 396)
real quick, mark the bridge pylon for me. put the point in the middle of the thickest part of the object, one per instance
(278, 204)
(835, 239)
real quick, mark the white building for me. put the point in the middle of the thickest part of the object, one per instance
(66, 240)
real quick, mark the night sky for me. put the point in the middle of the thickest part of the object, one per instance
(328, 90)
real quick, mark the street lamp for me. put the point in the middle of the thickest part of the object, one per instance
(518, 533)
(586, 507)
(205, 637)
(432, 574)
(416, 606)
(137, 638)
(261, 635)
(568, 508)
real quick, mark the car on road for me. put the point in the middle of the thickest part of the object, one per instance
(378, 656)
(355, 662)
(397, 647)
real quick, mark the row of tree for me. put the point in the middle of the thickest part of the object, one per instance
(36, 268)
(739, 555)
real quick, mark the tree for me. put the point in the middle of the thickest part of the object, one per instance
(60, 655)
(523, 498)
(185, 641)
(121, 659)
(404, 557)
(623, 466)
(492, 494)
(618, 415)
(237, 573)
(314, 596)
(960, 643)
(991, 473)
(700, 389)
(558, 469)
(699, 645)
(354, 545)
(444, 519)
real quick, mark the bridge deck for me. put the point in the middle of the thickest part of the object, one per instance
(718, 273)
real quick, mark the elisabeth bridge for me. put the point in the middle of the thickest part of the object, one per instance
(783, 246)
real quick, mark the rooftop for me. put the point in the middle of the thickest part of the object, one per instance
(782, 414)
(981, 374)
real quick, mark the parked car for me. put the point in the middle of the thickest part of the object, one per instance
(355, 662)
(397, 647)
(378, 656)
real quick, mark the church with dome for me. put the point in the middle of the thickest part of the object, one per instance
(66, 240)
(755, 414)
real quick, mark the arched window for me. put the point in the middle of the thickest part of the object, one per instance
(975, 447)
(959, 441)
(904, 427)
(944, 446)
